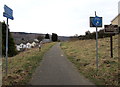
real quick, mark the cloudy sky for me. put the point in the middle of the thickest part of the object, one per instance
(64, 17)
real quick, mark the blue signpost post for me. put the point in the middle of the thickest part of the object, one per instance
(8, 13)
(96, 22)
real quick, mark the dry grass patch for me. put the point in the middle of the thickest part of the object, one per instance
(21, 66)
(83, 54)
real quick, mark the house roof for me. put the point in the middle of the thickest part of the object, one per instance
(115, 17)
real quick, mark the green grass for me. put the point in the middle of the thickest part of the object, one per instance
(83, 54)
(21, 66)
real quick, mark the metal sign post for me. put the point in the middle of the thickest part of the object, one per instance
(96, 45)
(7, 47)
(96, 22)
(8, 14)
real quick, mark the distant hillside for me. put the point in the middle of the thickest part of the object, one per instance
(63, 38)
(22, 37)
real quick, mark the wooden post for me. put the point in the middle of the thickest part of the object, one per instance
(0, 40)
(1, 54)
(111, 45)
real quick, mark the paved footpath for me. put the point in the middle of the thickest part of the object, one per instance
(55, 69)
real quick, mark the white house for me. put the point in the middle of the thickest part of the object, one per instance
(33, 44)
(21, 45)
(18, 47)
(36, 40)
(24, 46)
(28, 45)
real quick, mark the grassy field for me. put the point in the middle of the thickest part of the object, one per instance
(83, 54)
(21, 66)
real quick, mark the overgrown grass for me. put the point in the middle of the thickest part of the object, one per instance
(21, 67)
(83, 54)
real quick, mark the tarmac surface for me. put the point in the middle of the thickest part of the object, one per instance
(56, 69)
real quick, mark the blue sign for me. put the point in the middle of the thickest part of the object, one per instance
(8, 12)
(97, 21)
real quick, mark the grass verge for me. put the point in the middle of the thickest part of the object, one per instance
(21, 66)
(83, 54)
